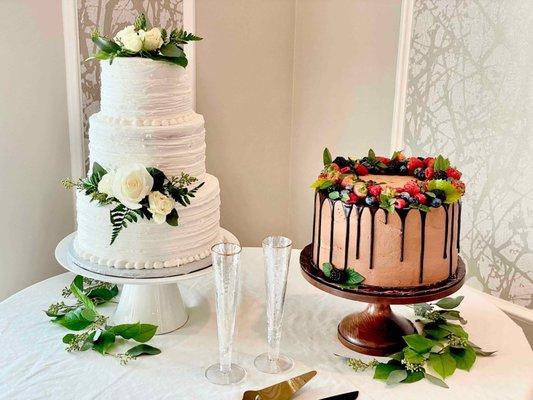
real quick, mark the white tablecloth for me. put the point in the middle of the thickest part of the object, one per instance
(34, 365)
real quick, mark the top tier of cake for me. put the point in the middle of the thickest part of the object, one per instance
(145, 90)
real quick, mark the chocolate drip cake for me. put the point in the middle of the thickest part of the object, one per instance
(395, 221)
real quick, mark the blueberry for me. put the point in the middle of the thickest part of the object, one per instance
(405, 195)
(371, 201)
(434, 202)
(419, 173)
(440, 175)
(402, 169)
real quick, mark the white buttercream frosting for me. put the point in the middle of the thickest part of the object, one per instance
(134, 87)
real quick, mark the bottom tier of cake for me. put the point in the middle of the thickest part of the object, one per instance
(145, 244)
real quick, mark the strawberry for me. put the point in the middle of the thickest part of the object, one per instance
(361, 170)
(374, 190)
(411, 188)
(453, 173)
(345, 170)
(429, 161)
(422, 199)
(352, 198)
(334, 166)
(384, 160)
(429, 171)
(400, 203)
(414, 163)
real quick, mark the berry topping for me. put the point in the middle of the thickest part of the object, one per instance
(341, 162)
(440, 175)
(434, 202)
(414, 163)
(453, 173)
(352, 198)
(371, 201)
(421, 198)
(337, 275)
(419, 173)
(374, 190)
(439, 194)
(361, 170)
(429, 161)
(411, 187)
(384, 160)
(429, 172)
(400, 203)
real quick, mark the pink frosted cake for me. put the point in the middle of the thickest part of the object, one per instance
(394, 221)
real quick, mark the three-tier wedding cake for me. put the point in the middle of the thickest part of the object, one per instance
(147, 201)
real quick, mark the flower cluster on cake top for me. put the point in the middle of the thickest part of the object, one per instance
(138, 40)
(435, 182)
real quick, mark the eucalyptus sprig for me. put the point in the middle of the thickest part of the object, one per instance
(442, 346)
(94, 331)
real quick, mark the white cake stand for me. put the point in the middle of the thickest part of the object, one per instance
(150, 296)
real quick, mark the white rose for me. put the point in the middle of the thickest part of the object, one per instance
(129, 39)
(131, 184)
(152, 39)
(160, 206)
(106, 184)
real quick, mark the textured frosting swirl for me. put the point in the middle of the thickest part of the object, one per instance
(143, 88)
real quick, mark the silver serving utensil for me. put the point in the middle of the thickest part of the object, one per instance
(280, 391)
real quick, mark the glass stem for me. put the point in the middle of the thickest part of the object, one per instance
(274, 337)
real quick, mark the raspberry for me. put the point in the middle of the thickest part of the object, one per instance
(400, 203)
(421, 198)
(374, 190)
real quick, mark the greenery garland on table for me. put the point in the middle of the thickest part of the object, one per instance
(94, 332)
(442, 345)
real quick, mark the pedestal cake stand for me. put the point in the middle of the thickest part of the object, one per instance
(377, 330)
(149, 296)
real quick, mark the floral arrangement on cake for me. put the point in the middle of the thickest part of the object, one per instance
(137, 192)
(435, 182)
(139, 40)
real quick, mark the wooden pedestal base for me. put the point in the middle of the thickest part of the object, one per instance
(377, 330)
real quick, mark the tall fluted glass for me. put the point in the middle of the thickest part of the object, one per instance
(277, 256)
(226, 262)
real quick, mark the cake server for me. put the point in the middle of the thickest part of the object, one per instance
(280, 391)
(344, 396)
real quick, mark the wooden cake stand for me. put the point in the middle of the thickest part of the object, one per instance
(377, 330)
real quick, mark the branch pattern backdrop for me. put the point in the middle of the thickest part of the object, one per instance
(108, 17)
(470, 97)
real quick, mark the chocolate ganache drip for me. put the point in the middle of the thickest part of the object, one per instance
(445, 254)
(347, 212)
(422, 243)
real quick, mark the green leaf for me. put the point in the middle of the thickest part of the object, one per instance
(398, 356)
(326, 184)
(443, 364)
(449, 303)
(396, 376)
(353, 277)
(453, 315)
(143, 349)
(172, 218)
(97, 172)
(436, 381)
(413, 377)
(69, 337)
(89, 314)
(103, 293)
(82, 297)
(138, 332)
(101, 55)
(326, 269)
(104, 43)
(452, 194)
(383, 371)
(159, 179)
(457, 330)
(181, 61)
(441, 163)
(73, 320)
(412, 356)
(371, 154)
(464, 358)
(326, 157)
(78, 281)
(479, 351)
(419, 343)
(104, 342)
(171, 50)
(140, 22)
(334, 195)
(436, 332)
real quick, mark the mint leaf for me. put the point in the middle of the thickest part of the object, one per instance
(441, 163)
(353, 277)
(334, 195)
(143, 349)
(419, 343)
(371, 154)
(449, 303)
(326, 157)
(443, 364)
(326, 269)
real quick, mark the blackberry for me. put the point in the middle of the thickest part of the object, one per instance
(342, 162)
(337, 275)
(373, 169)
(371, 201)
(440, 175)
(434, 202)
(439, 194)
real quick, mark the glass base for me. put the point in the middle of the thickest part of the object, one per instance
(234, 375)
(282, 364)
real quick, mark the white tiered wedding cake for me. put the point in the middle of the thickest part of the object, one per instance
(147, 122)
